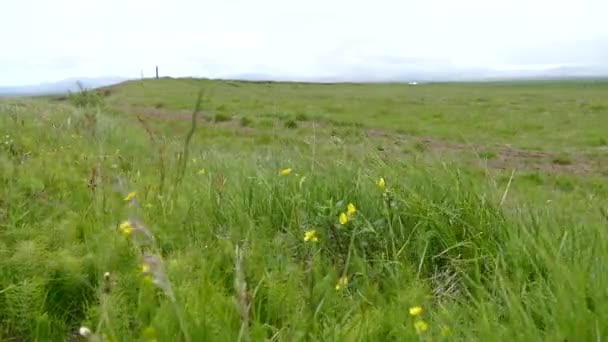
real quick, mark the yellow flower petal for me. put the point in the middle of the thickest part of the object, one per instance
(381, 184)
(201, 171)
(285, 172)
(350, 210)
(415, 311)
(311, 236)
(126, 228)
(130, 196)
(421, 326)
(343, 218)
(342, 283)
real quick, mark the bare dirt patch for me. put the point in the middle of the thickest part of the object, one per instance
(164, 114)
(502, 156)
(509, 157)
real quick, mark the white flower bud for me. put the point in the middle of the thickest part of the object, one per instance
(84, 332)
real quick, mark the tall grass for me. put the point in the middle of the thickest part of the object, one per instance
(231, 241)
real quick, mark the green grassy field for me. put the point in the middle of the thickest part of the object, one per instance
(234, 223)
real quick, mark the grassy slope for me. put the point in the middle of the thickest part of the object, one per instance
(527, 270)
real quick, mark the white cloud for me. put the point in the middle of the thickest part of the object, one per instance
(50, 40)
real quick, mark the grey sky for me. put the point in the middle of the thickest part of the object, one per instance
(52, 40)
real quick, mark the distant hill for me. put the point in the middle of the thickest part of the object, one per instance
(60, 87)
(399, 71)
(405, 71)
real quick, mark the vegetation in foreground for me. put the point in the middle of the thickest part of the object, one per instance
(153, 229)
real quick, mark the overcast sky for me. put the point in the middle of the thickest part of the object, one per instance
(45, 40)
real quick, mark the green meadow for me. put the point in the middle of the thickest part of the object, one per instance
(200, 210)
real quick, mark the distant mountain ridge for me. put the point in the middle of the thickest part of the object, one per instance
(60, 87)
(398, 71)
(402, 72)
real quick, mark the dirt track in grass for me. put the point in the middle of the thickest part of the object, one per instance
(492, 155)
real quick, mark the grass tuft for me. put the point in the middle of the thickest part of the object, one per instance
(291, 124)
(222, 117)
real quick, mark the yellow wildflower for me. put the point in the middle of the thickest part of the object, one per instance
(201, 171)
(285, 172)
(130, 196)
(145, 268)
(126, 228)
(350, 210)
(342, 283)
(343, 218)
(381, 183)
(421, 326)
(445, 331)
(311, 236)
(415, 311)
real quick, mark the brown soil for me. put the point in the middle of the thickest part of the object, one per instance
(183, 115)
(509, 157)
(163, 113)
(502, 156)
